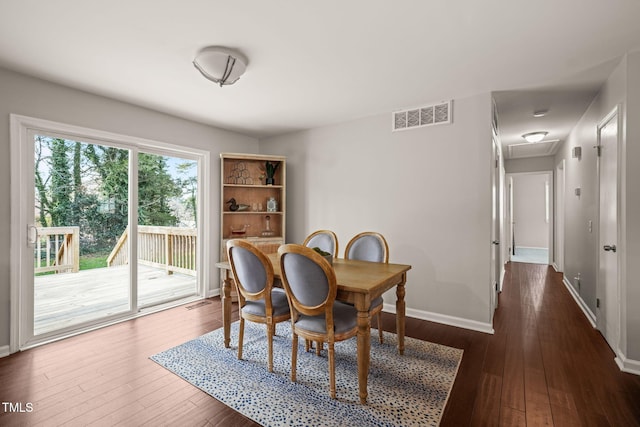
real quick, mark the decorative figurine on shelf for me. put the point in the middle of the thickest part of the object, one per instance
(233, 206)
(267, 231)
(270, 170)
(272, 205)
(239, 231)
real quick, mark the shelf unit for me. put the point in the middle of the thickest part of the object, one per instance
(242, 177)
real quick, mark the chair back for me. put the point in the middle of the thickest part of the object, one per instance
(252, 271)
(308, 279)
(368, 246)
(323, 239)
(311, 287)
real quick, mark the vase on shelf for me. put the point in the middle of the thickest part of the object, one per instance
(267, 232)
(272, 205)
(270, 170)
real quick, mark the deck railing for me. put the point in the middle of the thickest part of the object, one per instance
(57, 249)
(170, 248)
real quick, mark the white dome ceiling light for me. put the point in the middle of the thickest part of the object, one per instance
(535, 136)
(220, 65)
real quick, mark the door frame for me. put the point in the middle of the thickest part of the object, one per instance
(498, 232)
(551, 209)
(20, 270)
(497, 198)
(600, 286)
(559, 206)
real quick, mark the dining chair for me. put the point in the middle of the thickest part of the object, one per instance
(370, 246)
(311, 287)
(328, 242)
(323, 239)
(258, 300)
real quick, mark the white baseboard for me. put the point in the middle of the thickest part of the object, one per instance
(628, 365)
(444, 319)
(4, 351)
(578, 299)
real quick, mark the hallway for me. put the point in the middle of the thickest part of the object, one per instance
(545, 364)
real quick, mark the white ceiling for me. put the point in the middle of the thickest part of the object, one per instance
(318, 63)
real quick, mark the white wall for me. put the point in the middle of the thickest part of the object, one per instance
(581, 247)
(529, 210)
(580, 244)
(36, 98)
(428, 190)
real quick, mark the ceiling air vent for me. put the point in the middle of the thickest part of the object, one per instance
(533, 149)
(437, 114)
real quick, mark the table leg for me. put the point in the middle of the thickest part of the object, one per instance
(400, 313)
(364, 350)
(226, 308)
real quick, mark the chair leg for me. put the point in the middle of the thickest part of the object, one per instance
(319, 345)
(294, 356)
(307, 345)
(380, 326)
(270, 334)
(240, 337)
(332, 371)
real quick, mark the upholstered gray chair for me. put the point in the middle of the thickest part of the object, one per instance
(370, 246)
(258, 300)
(323, 239)
(310, 283)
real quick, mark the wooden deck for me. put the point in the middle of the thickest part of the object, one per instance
(63, 300)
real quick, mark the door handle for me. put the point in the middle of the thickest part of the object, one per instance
(611, 248)
(496, 242)
(32, 235)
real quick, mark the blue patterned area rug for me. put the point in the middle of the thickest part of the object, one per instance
(406, 390)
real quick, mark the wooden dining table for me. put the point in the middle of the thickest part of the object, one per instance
(359, 283)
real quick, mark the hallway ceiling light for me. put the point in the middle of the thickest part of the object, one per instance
(540, 113)
(535, 136)
(220, 65)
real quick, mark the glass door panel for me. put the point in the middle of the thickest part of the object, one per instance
(81, 249)
(167, 228)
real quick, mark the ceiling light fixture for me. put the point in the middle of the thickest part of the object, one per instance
(220, 65)
(540, 113)
(535, 136)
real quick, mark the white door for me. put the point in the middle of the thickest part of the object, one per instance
(558, 252)
(510, 220)
(495, 225)
(607, 304)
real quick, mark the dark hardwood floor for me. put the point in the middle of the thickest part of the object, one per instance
(545, 365)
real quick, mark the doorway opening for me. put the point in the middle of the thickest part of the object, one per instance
(531, 217)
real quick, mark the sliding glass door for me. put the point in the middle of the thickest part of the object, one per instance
(167, 228)
(84, 257)
(81, 210)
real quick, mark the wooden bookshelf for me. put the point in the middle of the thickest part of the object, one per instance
(243, 178)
